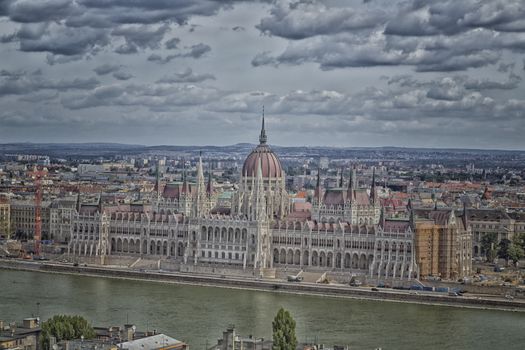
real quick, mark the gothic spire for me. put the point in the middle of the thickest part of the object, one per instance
(262, 137)
(200, 172)
(373, 188)
(209, 187)
(157, 178)
(185, 185)
(78, 201)
(317, 193)
(341, 179)
(352, 184)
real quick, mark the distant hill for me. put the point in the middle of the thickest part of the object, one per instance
(94, 150)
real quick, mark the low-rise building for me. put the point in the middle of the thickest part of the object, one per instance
(23, 336)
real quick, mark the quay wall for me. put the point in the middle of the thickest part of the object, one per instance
(278, 286)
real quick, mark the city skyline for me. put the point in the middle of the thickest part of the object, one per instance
(328, 73)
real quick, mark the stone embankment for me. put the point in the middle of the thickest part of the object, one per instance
(270, 285)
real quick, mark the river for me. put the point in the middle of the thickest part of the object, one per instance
(198, 315)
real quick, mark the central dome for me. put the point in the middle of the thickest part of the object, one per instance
(270, 164)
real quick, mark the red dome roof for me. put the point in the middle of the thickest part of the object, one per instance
(270, 164)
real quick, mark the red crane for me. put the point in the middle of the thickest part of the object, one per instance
(37, 174)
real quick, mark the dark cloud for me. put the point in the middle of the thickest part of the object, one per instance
(65, 41)
(106, 69)
(27, 11)
(238, 29)
(40, 97)
(20, 83)
(506, 67)
(122, 75)
(161, 60)
(126, 49)
(305, 19)
(198, 50)
(437, 36)
(186, 76)
(107, 13)
(172, 43)
(195, 51)
(511, 83)
(140, 37)
(264, 59)
(52, 59)
(150, 96)
(103, 13)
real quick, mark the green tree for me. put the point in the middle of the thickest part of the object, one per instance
(284, 331)
(65, 327)
(503, 249)
(519, 239)
(488, 244)
(515, 252)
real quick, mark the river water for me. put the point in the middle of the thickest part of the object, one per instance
(198, 315)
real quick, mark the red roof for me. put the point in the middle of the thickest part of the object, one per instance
(270, 164)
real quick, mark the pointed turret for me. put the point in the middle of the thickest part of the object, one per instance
(317, 192)
(465, 216)
(200, 173)
(157, 179)
(185, 185)
(100, 207)
(200, 195)
(262, 137)
(352, 186)
(209, 186)
(78, 202)
(373, 194)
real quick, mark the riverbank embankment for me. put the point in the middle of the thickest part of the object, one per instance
(472, 301)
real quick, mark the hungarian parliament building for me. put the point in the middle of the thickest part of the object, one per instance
(259, 230)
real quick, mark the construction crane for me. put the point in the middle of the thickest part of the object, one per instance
(38, 174)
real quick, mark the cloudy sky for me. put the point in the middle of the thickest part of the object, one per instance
(192, 72)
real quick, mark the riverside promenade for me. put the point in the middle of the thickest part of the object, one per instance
(272, 285)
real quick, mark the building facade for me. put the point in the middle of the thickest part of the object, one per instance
(257, 231)
(443, 242)
(5, 218)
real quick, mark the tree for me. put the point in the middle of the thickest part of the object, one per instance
(488, 242)
(503, 249)
(65, 327)
(519, 239)
(284, 331)
(515, 252)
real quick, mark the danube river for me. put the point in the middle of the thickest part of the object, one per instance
(198, 315)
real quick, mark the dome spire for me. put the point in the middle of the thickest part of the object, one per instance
(262, 137)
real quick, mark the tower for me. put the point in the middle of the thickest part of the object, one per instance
(199, 202)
